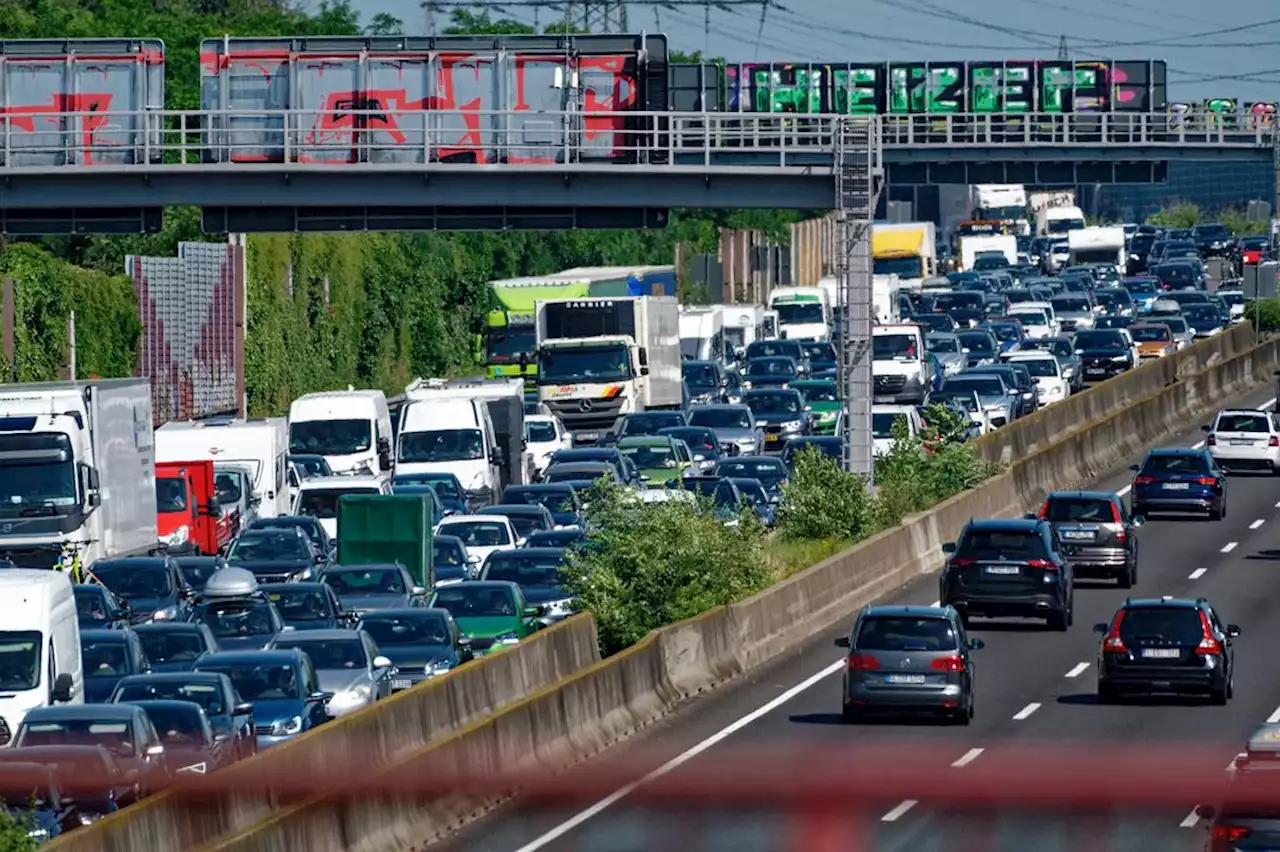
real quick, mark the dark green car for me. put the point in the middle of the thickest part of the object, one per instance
(493, 613)
(821, 400)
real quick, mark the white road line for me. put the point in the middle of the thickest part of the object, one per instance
(1230, 546)
(1026, 711)
(1274, 717)
(1232, 765)
(1278, 505)
(969, 757)
(1123, 491)
(679, 760)
(1078, 670)
(1257, 523)
(1190, 820)
(1197, 574)
(896, 814)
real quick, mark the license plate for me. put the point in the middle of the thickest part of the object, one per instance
(587, 436)
(904, 678)
(771, 439)
(1241, 442)
(1177, 486)
(1078, 535)
(1094, 371)
(1161, 653)
(1001, 569)
(401, 683)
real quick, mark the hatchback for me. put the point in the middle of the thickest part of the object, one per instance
(1179, 480)
(1096, 534)
(1008, 568)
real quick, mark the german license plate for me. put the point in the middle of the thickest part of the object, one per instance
(401, 683)
(1078, 535)
(1001, 569)
(1177, 486)
(771, 439)
(904, 678)
(1241, 442)
(1160, 653)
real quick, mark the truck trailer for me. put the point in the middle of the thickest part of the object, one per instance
(908, 250)
(77, 472)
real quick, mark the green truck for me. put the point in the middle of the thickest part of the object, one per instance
(385, 528)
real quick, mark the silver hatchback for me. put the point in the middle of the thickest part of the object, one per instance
(908, 659)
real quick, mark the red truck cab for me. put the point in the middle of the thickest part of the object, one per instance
(188, 517)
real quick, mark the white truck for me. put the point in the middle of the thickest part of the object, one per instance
(350, 428)
(599, 359)
(908, 250)
(702, 333)
(1003, 203)
(255, 451)
(743, 325)
(1097, 245)
(899, 364)
(804, 313)
(1056, 213)
(77, 472)
(884, 298)
(970, 247)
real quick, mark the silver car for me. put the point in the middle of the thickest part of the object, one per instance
(1074, 312)
(908, 659)
(347, 663)
(948, 349)
(1183, 333)
(734, 426)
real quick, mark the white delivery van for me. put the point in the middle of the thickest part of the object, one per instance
(318, 497)
(899, 364)
(350, 428)
(258, 446)
(39, 645)
(451, 436)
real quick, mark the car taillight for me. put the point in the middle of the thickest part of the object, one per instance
(1207, 480)
(961, 562)
(1231, 833)
(1273, 441)
(1211, 441)
(1044, 511)
(1143, 480)
(863, 663)
(1041, 563)
(1113, 643)
(1208, 645)
(949, 663)
(1121, 535)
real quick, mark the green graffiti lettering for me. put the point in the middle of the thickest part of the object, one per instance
(855, 91)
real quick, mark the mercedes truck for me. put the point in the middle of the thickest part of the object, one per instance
(1003, 203)
(77, 472)
(599, 359)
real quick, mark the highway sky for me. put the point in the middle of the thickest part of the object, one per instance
(1210, 54)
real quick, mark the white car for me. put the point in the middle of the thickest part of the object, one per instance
(883, 418)
(1038, 319)
(544, 434)
(482, 534)
(1046, 369)
(1243, 439)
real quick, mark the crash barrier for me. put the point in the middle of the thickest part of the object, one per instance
(374, 737)
(612, 699)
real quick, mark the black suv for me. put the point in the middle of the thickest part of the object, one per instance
(1104, 353)
(1095, 534)
(1166, 645)
(1008, 568)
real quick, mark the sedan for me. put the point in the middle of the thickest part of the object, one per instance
(152, 586)
(230, 716)
(362, 588)
(107, 656)
(781, 413)
(347, 663)
(452, 562)
(308, 606)
(560, 500)
(280, 686)
(525, 518)
(485, 534)
(421, 643)
(538, 571)
(98, 608)
(1155, 340)
(702, 443)
(123, 729)
(734, 427)
(769, 372)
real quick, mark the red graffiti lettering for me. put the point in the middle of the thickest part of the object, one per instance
(90, 111)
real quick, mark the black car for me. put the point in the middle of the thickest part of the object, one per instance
(422, 643)
(307, 523)
(1213, 240)
(107, 656)
(152, 586)
(644, 423)
(1166, 645)
(821, 354)
(277, 555)
(557, 538)
(1096, 534)
(1008, 568)
(452, 562)
(770, 372)
(780, 412)
(174, 646)
(365, 588)
(982, 346)
(190, 744)
(1104, 353)
(308, 606)
(560, 500)
(97, 608)
(197, 570)
(123, 729)
(626, 471)
(707, 382)
(769, 470)
(537, 571)
(779, 349)
(231, 716)
(831, 446)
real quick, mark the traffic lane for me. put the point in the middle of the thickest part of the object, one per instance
(805, 683)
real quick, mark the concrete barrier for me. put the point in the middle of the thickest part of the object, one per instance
(603, 702)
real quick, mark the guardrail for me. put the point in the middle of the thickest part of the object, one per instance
(44, 140)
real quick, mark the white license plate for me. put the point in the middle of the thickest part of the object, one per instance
(1161, 653)
(1078, 535)
(1001, 569)
(1177, 486)
(1241, 442)
(401, 683)
(904, 678)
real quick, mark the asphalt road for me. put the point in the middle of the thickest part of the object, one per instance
(1032, 686)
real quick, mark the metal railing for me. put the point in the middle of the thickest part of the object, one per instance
(47, 140)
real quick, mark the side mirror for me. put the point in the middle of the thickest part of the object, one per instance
(320, 558)
(384, 445)
(532, 611)
(243, 709)
(949, 547)
(1029, 516)
(976, 644)
(320, 696)
(1233, 631)
(1138, 520)
(381, 663)
(419, 590)
(63, 688)
(1135, 467)
(288, 628)
(155, 750)
(473, 559)
(1102, 628)
(843, 642)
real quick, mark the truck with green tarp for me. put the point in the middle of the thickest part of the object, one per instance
(386, 528)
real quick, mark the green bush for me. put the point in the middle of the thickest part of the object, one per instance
(1264, 314)
(822, 501)
(13, 835)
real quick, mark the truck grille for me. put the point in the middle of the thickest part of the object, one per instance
(600, 417)
(890, 384)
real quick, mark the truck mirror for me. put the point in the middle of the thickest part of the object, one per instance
(91, 478)
(524, 361)
(384, 445)
(644, 371)
(63, 687)
(384, 461)
(644, 357)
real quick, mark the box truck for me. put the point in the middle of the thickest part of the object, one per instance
(383, 528)
(189, 517)
(908, 250)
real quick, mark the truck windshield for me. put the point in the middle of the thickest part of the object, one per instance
(441, 445)
(562, 366)
(506, 344)
(226, 487)
(903, 267)
(794, 313)
(1061, 226)
(19, 659)
(36, 470)
(893, 347)
(1002, 214)
(171, 495)
(330, 437)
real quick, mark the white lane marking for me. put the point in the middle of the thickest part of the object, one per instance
(1278, 505)
(969, 757)
(1078, 670)
(1026, 711)
(679, 760)
(1231, 767)
(1230, 546)
(896, 814)
(1197, 574)
(1274, 717)
(1257, 523)
(1123, 491)
(1190, 820)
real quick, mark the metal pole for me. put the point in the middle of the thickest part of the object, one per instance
(71, 346)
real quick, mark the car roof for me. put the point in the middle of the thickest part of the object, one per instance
(169, 704)
(447, 539)
(177, 677)
(83, 711)
(1081, 495)
(542, 486)
(899, 610)
(279, 655)
(1181, 603)
(1008, 524)
(1176, 451)
(406, 612)
(528, 551)
(459, 519)
(757, 458)
(370, 566)
(285, 587)
(645, 441)
(166, 627)
(480, 584)
(323, 635)
(512, 509)
(102, 635)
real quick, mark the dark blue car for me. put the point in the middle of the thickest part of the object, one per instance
(1179, 480)
(107, 656)
(174, 646)
(281, 686)
(1008, 334)
(230, 716)
(446, 486)
(560, 499)
(308, 606)
(452, 562)
(427, 492)
(152, 586)
(422, 643)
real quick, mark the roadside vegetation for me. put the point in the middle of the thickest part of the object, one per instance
(14, 836)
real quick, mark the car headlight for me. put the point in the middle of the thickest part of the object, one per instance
(301, 576)
(747, 442)
(1118, 359)
(1068, 372)
(363, 692)
(507, 639)
(437, 668)
(793, 426)
(286, 727)
(995, 407)
(169, 613)
(179, 536)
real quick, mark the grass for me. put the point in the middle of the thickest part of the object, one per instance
(792, 557)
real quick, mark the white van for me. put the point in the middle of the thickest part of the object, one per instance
(318, 497)
(451, 436)
(899, 364)
(259, 446)
(350, 428)
(39, 645)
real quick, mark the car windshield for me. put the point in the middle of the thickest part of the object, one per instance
(479, 533)
(1150, 334)
(1170, 463)
(1001, 544)
(1079, 510)
(649, 424)
(539, 432)
(894, 347)
(984, 385)
(555, 500)
(1004, 331)
(1212, 232)
(964, 300)
(558, 474)
(273, 681)
(300, 604)
(446, 486)
(700, 376)
(373, 581)
(1058, 347)
(311, 465)
(762, 469)
(649, 457)
(772, 348)
(1177, 624)
(960, 398)
(1070, 304)
(524, 570)
(104, 658)
(389, 631)
(882, 423)
(268, 547)
(1140, 288)
(328, 653)
(819, 393)
(171, 494)
(1200, 311)
(171, 646)
(475, 601)
(331, 437)
(1243, 423)
(700, 440)
(226, 487)
(720, 418)
(770, 367)
(978, 342)
(322, 503)
(905, 633)
(942, 344)
(177, 724)
(448, 554)
(226, 619)
(207, 695)
(1039, 367)
(115, 735)
(19, 659)
(819, 353)
(773, 403)
(1177, 325)
(441, 445)
(1100, 340)
(522, 523)
(129, 580)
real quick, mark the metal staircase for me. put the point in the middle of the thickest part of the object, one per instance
(859, 174)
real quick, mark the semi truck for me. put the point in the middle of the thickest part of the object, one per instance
(1056, 212)
(599, 359)
(971, 247)
(1004, 203)
(77, 472)
(908, 250)
(1097, 245)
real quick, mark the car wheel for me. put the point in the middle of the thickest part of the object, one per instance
(1107, 694)
(848, 716)
(1127, 577)
(1219, 696)
(1231, 686)
(1058, 621)
(963, 716)
(1218, 513)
